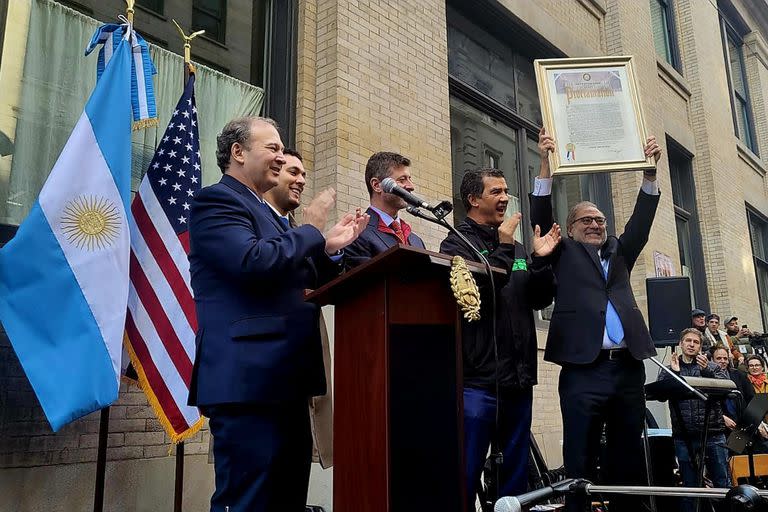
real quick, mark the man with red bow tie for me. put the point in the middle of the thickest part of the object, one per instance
(386, 228)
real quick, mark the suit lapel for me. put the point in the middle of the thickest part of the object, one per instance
(254, 202)
(373, 225)
(592, 252)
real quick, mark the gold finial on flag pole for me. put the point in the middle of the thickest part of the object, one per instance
(187, 46)
(129, 10)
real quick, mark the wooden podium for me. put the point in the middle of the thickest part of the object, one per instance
(398, 425)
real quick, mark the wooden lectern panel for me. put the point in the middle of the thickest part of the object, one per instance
(398, 424)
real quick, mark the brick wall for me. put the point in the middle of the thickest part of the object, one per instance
(26, 439)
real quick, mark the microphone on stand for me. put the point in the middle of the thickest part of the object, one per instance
(440, 210)
(516, 503)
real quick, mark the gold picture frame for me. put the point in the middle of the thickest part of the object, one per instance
(591, 107)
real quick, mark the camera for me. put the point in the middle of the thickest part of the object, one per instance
(759, 342)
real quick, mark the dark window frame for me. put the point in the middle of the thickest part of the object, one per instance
(686, 209)
(729, 33)
(281, 66)
(670, 29)
(222, 20)
(160, 4)
(758, 262)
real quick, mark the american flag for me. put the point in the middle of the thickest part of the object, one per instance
(161, 322)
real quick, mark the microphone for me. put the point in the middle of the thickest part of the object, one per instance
(516, 503)
(389, 186)
(440, 210)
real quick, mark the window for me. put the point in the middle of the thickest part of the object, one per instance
(664, 36)
(211, 16)
(152, 5)
(758, 231)
(743, 124)
(687, 223)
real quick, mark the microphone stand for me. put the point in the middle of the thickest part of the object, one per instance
(439, 213)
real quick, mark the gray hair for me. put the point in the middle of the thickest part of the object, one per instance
(237, 131)
(575, 208)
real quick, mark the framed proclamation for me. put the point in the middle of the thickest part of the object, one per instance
(591, 108)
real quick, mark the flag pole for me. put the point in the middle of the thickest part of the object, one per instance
(101, 461)
(188, 66)
(129, 10)
(178, 488)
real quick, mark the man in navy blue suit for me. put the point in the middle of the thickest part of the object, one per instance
(259, 355)
(385, 228)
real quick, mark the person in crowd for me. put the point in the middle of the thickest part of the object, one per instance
(734, 407)
(718, 338)
(740, 337)
(597, 332)
(699, 321)
(756, 373)
(386, 228)
(688, 418)
(259, 356)
(529, 285)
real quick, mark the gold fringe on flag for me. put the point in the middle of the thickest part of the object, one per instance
(145, 123)
(155, 403)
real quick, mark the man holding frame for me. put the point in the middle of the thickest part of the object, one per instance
(597, 333)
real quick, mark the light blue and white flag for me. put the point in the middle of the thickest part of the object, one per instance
(109, 36)
(64, 276)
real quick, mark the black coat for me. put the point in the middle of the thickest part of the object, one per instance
(692, 411)
(578, 321)
(518, 294)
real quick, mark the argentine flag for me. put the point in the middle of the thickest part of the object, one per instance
(64, 276)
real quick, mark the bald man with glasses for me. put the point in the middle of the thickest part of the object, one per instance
(597, 333)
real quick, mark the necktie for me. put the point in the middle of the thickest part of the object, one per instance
(285, 223)
(395, 226)
(612, 321)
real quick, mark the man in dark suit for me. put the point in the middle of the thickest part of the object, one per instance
(597, 332)
(258, 355)
(385, 228)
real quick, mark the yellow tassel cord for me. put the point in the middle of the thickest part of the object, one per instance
(145, 123)
(155, 403)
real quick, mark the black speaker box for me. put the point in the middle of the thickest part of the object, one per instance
(669, 308)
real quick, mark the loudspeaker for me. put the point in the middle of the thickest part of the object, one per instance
(669, 308)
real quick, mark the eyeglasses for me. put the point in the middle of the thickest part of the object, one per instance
(587, 221)
(757, 365)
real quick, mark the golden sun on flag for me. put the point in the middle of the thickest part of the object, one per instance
(90, 222)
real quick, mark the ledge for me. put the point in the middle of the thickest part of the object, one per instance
(751, 159)
(758, 47)
(673, 78)
(213, 41)
(151, 12)
(596, 7)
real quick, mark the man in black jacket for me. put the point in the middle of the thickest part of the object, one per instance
(528, 285)
(688, 418)
(597, 332)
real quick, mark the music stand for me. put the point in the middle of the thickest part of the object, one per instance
(744, 437)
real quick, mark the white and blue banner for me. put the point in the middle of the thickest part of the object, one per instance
(64, 276)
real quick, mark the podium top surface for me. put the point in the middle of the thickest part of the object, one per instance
(397, 258)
